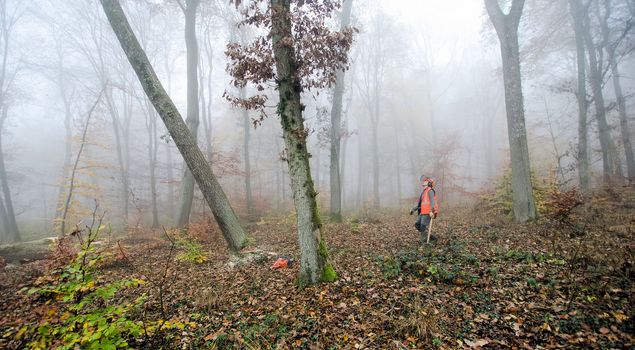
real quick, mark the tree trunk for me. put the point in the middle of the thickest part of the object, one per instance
(360, 172)
(374, 126)
(316, 159)
(581, 95)
(187, 185)
(621, 107)
(73, 171)
(398, 166)
(184, 139)
(608, 148)
(114, 114)
(125, 131)
(68, 141)
(342, 167)
(12, 225)
(314, 264)
(4, 222)
(507, 30)
(247, 136)
(279, 170)
(170, 175)
(206, 96)
(336, 123)
(152, 158)
(617, 86)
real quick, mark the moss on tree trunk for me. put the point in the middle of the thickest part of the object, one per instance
(314, 263)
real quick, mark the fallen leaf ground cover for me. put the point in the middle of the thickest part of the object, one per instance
(485, 282)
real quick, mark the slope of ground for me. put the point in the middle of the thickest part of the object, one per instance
(485, 282)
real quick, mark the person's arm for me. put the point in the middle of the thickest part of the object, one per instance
(418, 206)
(433, 212)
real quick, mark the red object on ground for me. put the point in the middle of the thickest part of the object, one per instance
(281, 263)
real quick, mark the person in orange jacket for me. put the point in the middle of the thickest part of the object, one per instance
(427, 208)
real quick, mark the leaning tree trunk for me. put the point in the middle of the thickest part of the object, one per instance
(183, 138)
(314, 263)
(507, 30)
(336, 123)
(187, 185)
(583, 105)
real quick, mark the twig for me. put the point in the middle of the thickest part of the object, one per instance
(67, 203)
(161, 285)
(92, 237)
(124, 254)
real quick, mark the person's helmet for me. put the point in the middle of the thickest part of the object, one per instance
(429, 180)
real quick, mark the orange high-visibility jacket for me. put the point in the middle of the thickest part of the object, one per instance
(425, 202)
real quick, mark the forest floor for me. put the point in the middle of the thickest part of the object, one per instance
(485, 282)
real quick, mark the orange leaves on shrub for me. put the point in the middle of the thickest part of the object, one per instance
(561, 204)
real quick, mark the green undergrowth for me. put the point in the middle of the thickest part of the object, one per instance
(80, 310)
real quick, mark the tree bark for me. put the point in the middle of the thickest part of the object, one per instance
(507, 29)
(314, 263)
(375, 138)
(170, 175)
(398, 166)
(247, 136)
(207, 96)
(187, 185)
(581, 95)
(360, 173)
(185, 141)
(12, 225)
(608, 148)
(617, 87)
(4, 222)
(621, 107)
(151, 127)
(336, 123)
(342, 168)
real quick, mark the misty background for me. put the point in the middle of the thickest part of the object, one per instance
(426, 75)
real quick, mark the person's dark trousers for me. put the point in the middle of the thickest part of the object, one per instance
(423, 222)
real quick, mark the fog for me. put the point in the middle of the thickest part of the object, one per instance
(425, 75)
